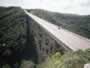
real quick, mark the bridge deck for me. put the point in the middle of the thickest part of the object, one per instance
(70, 39)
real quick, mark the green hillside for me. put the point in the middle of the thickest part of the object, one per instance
(11, 24)
(13, 33)
(75, 23)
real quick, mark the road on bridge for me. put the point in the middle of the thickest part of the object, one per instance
(70, 39)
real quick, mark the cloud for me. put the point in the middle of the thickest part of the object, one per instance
(68, 6)
(30, 3)
(9, 2)
(65, 6)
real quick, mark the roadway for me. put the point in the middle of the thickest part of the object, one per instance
(70, 39)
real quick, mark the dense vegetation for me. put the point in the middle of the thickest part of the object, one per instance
(69, 60)
(14, 32)
(11, 25)
(75, 23)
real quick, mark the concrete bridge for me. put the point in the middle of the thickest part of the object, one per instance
(50, 38)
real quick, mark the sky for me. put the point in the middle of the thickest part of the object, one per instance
(81, 7)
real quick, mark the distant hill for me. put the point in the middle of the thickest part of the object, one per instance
(75, 23)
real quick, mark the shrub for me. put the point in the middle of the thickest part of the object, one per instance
(68, 60)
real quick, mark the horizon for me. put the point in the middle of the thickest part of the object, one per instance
(79, 7)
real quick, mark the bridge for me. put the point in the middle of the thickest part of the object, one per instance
(63, 38)
(70, 39)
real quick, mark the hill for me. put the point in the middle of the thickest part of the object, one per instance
(11, 24)
(14, 32)
(75, 23)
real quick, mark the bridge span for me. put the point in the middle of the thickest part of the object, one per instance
(69, 39)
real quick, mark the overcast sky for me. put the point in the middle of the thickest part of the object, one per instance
(65, 6)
